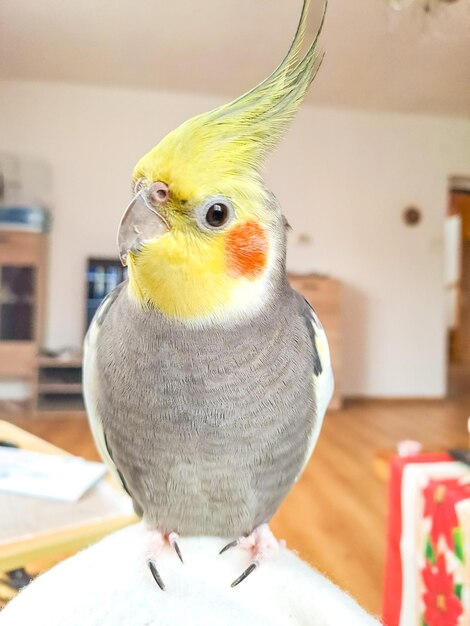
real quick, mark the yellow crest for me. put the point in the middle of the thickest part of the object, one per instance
(229, 143)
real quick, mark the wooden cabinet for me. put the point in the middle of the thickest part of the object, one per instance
(60, 383)
(22, 295)
(324, 294)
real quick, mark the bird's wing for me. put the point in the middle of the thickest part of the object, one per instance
(323, 382)
(91, 382)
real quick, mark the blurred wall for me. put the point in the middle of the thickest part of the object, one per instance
(342, 177)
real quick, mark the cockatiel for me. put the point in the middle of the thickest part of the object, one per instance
(206, 375)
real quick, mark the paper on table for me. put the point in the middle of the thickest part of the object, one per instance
(53, 477)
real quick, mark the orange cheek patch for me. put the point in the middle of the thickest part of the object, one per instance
(246, 247)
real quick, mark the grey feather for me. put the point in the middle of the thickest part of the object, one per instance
(91, 385)
(208, 428)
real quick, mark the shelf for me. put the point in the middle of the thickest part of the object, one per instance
(60, 402)
(53, 361)
(60, 387)
(60, 383)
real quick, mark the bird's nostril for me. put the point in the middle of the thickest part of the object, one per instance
(159, 192)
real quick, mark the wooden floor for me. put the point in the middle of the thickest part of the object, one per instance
(335, 516)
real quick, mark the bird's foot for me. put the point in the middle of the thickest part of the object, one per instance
(156, 546)
(259, 542)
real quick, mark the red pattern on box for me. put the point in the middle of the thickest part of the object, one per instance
(440, 592)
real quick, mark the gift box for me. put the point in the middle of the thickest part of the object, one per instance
(427, 578)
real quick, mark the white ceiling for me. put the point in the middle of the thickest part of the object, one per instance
(226, 46)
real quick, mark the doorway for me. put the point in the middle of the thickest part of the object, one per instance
(457, 269)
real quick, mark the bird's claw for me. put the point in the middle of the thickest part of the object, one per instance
(155, 574)
(159, 540)
(232, 544)
(174, 544)
(251, 568)
(260, 541)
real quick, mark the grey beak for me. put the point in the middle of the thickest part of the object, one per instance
(140, 222)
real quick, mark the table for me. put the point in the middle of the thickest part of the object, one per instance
(35, 528)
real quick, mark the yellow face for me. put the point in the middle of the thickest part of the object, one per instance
(212, 259)
(180, 263)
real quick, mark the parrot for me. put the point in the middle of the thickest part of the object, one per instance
(206, 376)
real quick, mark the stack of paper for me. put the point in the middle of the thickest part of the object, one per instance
(64, 478)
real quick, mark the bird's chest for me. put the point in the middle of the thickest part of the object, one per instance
(201, 420)
(201, 380)
(189, 379)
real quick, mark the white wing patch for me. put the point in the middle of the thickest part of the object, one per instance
(322, 383)
(90, 387)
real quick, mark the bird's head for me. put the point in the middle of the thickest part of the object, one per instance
(202, 237)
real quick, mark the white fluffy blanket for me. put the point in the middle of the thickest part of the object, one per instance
(110, 585)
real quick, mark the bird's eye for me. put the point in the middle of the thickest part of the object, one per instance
(214, 214)
(217, 214)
